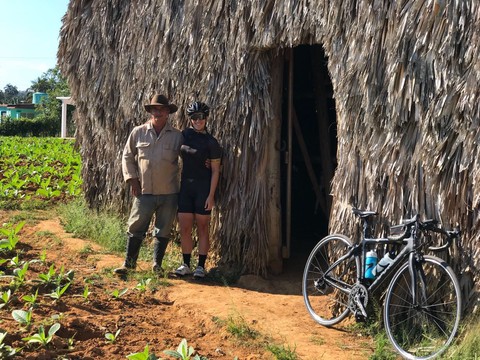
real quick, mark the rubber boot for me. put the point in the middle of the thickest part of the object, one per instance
(159, 248)
(133, 249)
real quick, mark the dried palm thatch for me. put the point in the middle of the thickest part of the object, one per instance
(406, 80)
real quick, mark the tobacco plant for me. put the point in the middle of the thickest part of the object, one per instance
(9, 237)
(43, 256)
(143, 285)
(183, 352)
(111, 338)
(144, 355)
(19, 275)
(86, 293)
(42, 338)
(48, 277)
(31, 299)
(23, 317)
(52, 278)
(116, 294)
(15, 261)
(58, 292)
(5, 298)
(6, 351)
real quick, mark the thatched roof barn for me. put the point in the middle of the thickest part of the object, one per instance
(319, 105)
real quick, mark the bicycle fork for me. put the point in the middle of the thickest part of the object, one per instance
(418, 280)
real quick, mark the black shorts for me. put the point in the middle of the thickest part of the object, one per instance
(192, 197)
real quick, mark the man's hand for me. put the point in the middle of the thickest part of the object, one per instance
(188, 149)
(135, 187)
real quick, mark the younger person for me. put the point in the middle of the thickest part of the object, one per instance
(198, 185)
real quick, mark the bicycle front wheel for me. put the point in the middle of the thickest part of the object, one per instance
(326, 285)
(425, 328)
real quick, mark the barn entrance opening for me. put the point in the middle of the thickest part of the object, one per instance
(309, 144)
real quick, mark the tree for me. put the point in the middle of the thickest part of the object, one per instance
(53, 84)
(11, 94)
(25, 96)
(51, 80)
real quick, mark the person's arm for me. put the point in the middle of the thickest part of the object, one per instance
(130, 166)
(215, 166)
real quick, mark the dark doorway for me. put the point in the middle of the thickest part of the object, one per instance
(309, 126)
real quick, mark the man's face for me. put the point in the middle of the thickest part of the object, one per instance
(159, 112)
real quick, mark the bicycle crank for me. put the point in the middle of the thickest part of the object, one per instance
(357, 302)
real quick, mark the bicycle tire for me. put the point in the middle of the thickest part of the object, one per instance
(425, 330)
(328, 305)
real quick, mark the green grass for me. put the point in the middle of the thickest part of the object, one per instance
(45, 233)
(49, 235)
(467, 345)
(249, 336)
(86, 250)
(383, 348)
(109, 231)
(24, 204)
(238, 327)
(317, 340)
(282, 352)
(105, 229)
(30, 218)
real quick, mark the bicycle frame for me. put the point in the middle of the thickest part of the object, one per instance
(359, 251)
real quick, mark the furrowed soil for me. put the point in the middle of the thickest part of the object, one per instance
(270, 310)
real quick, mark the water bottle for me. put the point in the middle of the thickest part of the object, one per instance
(386, 260)
(370, 263)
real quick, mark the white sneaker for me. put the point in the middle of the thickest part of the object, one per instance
(199, 272)
(183, 270)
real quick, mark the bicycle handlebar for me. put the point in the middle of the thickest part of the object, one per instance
(431, 225)
(407, 224)
(424, 226)
(405, 234)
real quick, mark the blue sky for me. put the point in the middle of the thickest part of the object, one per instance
(30, 33)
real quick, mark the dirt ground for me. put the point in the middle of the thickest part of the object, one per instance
(180, 308)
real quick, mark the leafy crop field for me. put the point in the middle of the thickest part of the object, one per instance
(35, 172)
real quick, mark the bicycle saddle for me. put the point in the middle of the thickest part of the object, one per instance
(363, 213)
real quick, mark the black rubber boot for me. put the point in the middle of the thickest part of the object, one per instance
(159, 247)
(133, 248)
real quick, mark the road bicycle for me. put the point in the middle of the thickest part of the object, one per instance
(422, 303)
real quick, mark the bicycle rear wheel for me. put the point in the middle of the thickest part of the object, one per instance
(425, 329)
(325, 292)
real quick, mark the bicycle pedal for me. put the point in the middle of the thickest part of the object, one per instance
(360, 318)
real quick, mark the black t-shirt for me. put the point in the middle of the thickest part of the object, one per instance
(205, 147)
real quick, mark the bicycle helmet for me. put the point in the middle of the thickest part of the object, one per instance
(198, 107)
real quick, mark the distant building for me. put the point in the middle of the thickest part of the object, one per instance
(21, 110)
(25, 110)
(3, 110)
(37, 97)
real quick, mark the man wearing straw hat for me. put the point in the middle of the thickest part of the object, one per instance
(150, 167)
